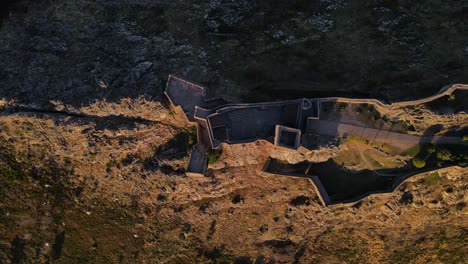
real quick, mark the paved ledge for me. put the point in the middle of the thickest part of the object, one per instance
(400, 140)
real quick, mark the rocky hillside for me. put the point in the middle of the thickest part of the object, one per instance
(92, 159)
(96, 189)
(79, 51)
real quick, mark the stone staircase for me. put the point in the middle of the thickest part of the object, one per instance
(198, 161)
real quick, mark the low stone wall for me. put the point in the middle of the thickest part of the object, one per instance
(444, 91)
(323, 195)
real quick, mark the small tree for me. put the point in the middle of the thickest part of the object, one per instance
(419, 163)
(430, 148)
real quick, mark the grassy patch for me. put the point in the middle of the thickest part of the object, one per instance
(356, 139)
(442, 249)
(413, 151)
(10, 168)
(386, 148)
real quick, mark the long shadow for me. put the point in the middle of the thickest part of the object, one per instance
(110, 122)
(342, 185)
(430, 145)
(431, 135)
(176, 148)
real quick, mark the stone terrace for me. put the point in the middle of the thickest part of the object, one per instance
(256, 121)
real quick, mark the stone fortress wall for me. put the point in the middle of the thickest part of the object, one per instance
(219, 123)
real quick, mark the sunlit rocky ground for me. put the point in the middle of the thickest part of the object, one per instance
(91, 159)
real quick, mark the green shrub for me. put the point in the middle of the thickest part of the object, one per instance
(356, 139)
(444, 154)
(419, 163)
(465, 138)
(451, 97)
(432, 178)
(191, 134)
(430, 148)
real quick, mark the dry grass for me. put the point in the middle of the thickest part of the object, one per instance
(118, 213)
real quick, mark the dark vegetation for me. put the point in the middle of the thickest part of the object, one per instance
(455, 253)
(214, 155)
(450, 104)
(406, 198)
(47, 172)
(218, 255)
(45, 181)
(436, 156)
(178, 146)
(237, 199)
(17, 250)
(300, 200)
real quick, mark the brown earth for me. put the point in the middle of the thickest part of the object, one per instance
(97, 189)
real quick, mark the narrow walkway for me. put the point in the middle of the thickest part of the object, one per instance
(402, 141)
(447, 90)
